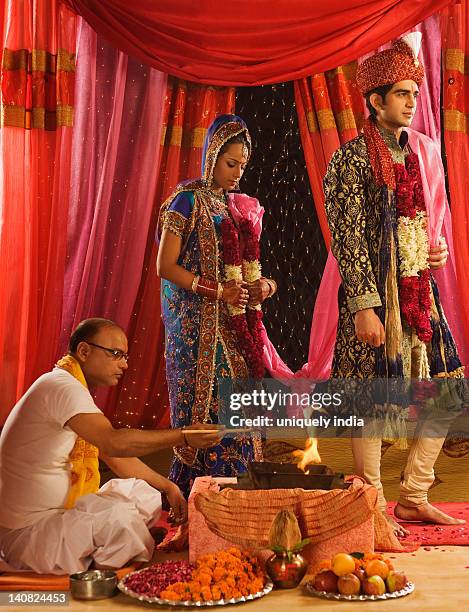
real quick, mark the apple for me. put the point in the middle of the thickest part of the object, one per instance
(349, 584)
(374, 585)
(396, 581)
(326, 581)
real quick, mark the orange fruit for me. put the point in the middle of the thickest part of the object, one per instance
(376, 567)
(342, 564)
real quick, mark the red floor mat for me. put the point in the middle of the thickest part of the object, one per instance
(438, 535)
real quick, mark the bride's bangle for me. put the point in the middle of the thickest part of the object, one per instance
(195, 282)
(207, 288)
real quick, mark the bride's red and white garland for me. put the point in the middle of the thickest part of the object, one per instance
(245, 322)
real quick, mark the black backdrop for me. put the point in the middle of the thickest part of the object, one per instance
(292, 248)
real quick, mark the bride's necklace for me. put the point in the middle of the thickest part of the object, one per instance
(218, 201)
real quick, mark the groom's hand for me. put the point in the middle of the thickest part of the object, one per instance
(368, 327)
(259, 290)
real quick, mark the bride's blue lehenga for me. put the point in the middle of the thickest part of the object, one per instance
(201, 349)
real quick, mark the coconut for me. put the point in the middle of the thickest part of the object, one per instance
(284, 532)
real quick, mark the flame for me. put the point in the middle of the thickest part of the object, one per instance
(309, 455)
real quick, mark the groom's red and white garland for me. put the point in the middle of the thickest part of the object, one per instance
(414, 273)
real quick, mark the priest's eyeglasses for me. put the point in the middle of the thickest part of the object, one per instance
(117, 355)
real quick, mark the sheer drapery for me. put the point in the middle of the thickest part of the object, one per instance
(115, 161)
(142, 399)
(254, 42)
(35, 147)
(427, 117)
(455, 35)
(2, 19)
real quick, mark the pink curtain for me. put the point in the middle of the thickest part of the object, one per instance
(115, 161)
(427, 117)
(37, 78)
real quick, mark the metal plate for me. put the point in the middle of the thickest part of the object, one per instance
(407, 590)
(191, 604)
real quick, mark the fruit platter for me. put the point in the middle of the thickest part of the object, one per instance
(226, 577)
(358, 577)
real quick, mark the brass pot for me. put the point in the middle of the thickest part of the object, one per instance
(286, 569)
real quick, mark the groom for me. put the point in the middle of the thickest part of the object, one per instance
(391, 322)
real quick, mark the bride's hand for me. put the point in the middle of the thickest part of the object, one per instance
(235, 293)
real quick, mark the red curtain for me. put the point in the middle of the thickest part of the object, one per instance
(253, 42)
(37, 83)
(142, 400)
(455, 42)
(330, 113)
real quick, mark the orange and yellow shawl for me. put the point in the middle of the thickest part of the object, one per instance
(84, 456)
